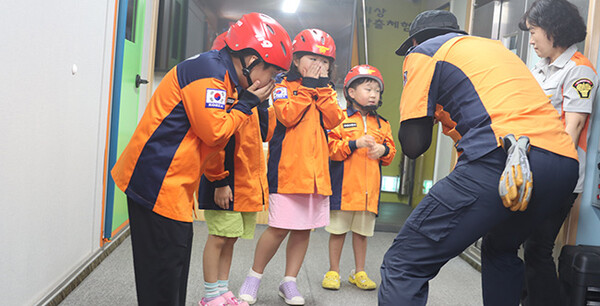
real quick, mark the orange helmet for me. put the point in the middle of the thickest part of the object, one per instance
(363, 71)
(219, 42)
(314, 41)
(264, 35)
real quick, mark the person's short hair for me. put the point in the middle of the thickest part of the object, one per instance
(560, 20)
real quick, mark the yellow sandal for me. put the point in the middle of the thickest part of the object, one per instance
(361, 280)
(331, 280)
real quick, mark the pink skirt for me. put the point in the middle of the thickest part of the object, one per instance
(298, 211)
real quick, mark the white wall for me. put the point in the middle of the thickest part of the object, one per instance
(52, 143)
(457, 7)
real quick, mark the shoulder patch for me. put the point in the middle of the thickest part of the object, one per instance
(404, 78)
(280, 93)
(215, 98)
(584, 87)
(350, 125)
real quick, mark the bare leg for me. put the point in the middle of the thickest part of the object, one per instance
(211, 257)
(359, 244)
(225, 258)
(336, 243)
(267, 246)
(295, 252)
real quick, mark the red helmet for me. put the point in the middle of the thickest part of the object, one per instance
(219, 42)
(264, 35)
(363, 71)
(314, 41)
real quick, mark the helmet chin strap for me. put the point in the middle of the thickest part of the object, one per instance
(368, 108)
(246, 71)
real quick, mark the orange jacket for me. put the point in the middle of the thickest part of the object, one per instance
(479, 101)
(241, 165)
(298, 152)
(356, 178)
(184, 123)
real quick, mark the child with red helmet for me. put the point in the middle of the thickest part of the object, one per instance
(185, 122)
(306, 107)
(232, 190)
(358, 148)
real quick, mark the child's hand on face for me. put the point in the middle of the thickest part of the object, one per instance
(313, 71)
(222, 196)
(262, 92)
(365, 141)
(324, 73)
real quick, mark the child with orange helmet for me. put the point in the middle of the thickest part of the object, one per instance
(306, 107)
(186, 122)
(358, 148)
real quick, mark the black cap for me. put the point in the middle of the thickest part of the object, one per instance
(430, 24)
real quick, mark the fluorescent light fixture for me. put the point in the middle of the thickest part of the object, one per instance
(290, 6)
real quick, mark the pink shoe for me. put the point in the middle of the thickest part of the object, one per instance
(218, 301)
(232, 300)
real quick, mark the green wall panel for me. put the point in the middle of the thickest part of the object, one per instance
(387, 27)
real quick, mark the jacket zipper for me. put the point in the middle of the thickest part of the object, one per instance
(366, 167)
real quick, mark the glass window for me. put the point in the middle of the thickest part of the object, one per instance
(176, 30)
(131, 18)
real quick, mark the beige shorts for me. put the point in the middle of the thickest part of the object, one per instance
(360, 222)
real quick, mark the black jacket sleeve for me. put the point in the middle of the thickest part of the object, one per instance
(415, 136)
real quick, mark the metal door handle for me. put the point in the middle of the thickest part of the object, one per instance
(139, 80)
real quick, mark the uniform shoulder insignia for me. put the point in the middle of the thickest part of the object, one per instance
(584, 87)
(280, 93)
(215, 98)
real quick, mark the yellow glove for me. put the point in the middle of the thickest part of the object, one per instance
(516, 182)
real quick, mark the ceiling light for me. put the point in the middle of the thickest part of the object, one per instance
(290, 6)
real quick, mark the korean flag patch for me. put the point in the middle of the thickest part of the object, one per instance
(280, 93)
(215, 98)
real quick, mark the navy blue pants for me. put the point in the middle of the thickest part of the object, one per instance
(541, 281)
(460, 209)
(162, 250)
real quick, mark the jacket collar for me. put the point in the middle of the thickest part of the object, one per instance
(351, 110)
(564, 58)
(293, 75)
(228, 61)
(560, 61)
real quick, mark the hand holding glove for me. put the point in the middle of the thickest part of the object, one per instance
(516, 181)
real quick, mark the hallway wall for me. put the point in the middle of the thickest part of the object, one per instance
(53, 121)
